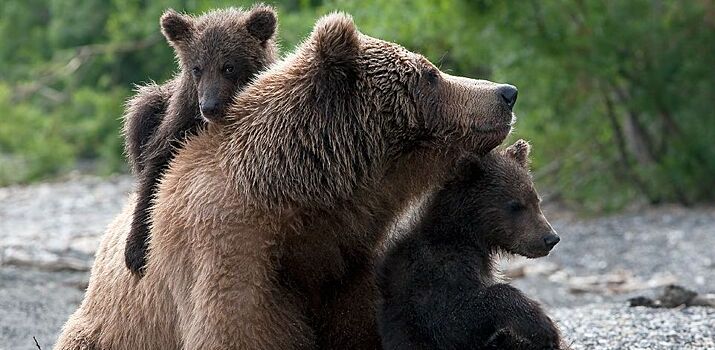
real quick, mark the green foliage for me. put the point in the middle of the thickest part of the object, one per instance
(630, 82)
(615, 96)
(30, 144)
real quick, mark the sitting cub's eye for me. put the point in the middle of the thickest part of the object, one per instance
(196, 71)
(228, 69)
(516, 206)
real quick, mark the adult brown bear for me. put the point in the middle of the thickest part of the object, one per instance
(255, 219)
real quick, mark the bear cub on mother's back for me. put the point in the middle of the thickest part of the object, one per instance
(219, 53)
(437, 281)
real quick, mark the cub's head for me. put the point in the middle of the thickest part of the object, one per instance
(221, 51)
(494, 199)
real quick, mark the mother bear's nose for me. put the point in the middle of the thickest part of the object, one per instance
(508, 94)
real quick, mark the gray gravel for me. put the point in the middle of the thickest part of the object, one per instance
(57, 225)
(48, 233)
(613, 258)
(614, 326)
(36, 303)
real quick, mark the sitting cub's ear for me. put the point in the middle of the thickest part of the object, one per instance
(176, 27)
(336, 39)
(261, 22)
(470, 166)
(519, 151)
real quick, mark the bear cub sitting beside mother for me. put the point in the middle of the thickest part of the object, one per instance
(437, 282)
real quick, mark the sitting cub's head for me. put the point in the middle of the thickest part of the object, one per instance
(493, 198)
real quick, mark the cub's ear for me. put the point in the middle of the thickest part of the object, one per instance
(336, 39)
(176, 27)
(261, 22)
(470, 166)
(519, 151)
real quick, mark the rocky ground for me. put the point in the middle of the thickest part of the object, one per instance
(48, 233)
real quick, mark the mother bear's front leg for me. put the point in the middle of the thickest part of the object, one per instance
(234, 301)
(219, 258)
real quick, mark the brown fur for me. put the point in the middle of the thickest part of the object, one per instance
(218, 53)
(144, 112)
(260, 222)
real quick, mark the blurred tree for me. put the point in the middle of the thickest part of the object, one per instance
(615, 96)
(629, 83)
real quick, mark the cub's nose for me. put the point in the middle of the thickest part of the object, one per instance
(551, 239)
(208, 107)
(508, 94)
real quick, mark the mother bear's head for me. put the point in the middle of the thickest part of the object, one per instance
(345, 111)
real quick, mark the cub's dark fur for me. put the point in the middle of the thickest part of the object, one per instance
(218, 52)
(437, 281)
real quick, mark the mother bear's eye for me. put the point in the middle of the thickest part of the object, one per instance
(432, 76)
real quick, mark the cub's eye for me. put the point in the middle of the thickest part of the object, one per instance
(228, 69)
(196, 71)
(516, 206)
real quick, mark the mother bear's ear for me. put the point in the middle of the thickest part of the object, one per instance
(335, 48)
(336, 41)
